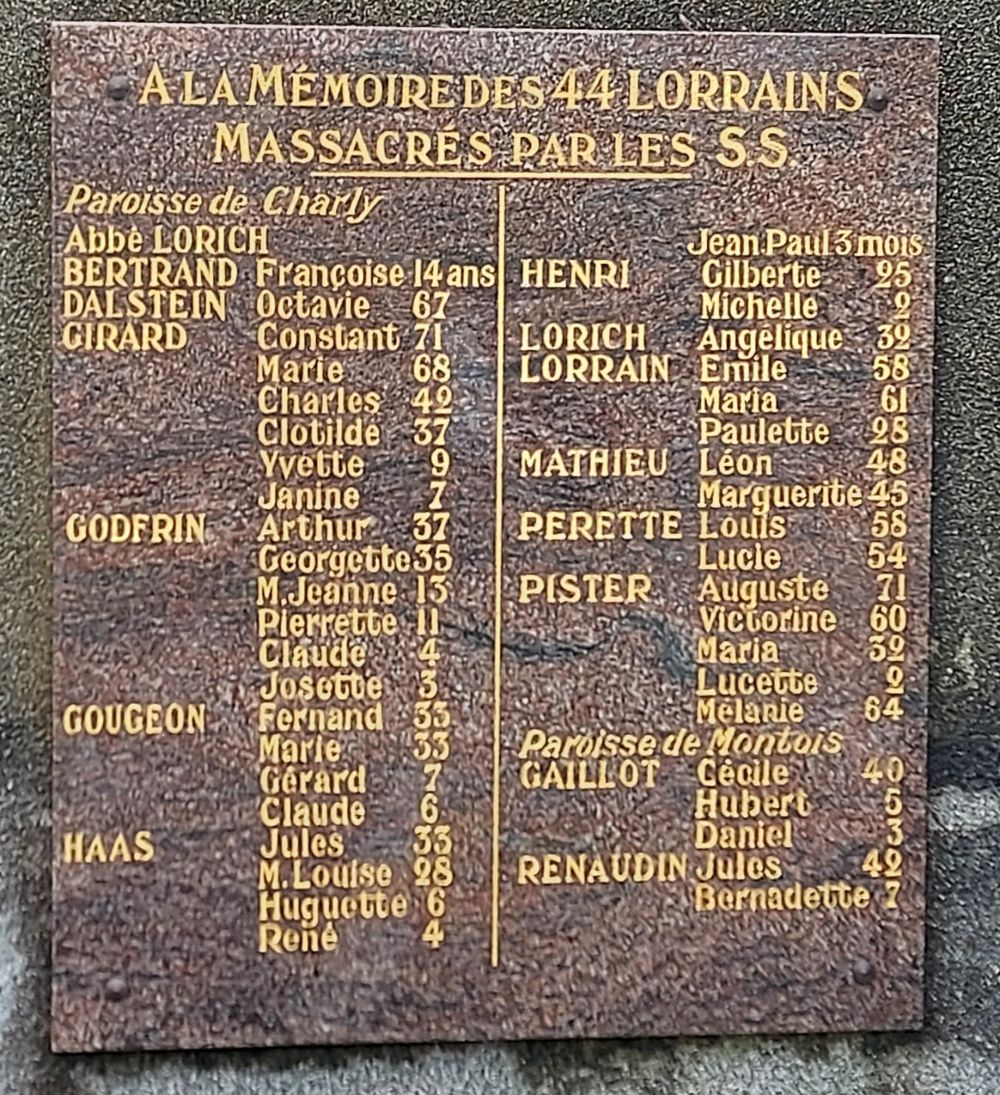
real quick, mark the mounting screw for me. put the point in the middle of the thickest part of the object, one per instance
(877, 99)
(116, 988)
(863, 972)
(118, 87)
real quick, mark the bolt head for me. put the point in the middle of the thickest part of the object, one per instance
(877, 99)
(862, 972)
(116, 988)
(118, 87)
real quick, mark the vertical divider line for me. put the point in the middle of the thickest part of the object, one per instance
(498, 565)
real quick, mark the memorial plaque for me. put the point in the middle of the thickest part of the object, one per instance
(491, 518)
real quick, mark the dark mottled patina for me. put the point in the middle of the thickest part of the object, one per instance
(165, 955)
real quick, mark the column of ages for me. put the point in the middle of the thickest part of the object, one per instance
(889, 494)
(450, 295)
(433, 405)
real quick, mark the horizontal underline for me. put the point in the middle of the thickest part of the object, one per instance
(516, 176)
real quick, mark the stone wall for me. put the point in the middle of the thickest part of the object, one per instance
(959, 1050)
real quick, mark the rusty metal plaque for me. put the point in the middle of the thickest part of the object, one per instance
(490, 531)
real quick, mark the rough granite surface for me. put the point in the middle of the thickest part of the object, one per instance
(959, 1050)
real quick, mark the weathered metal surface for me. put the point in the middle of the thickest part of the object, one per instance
(168, 951)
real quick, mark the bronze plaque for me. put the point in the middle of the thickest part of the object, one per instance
(490, 523)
